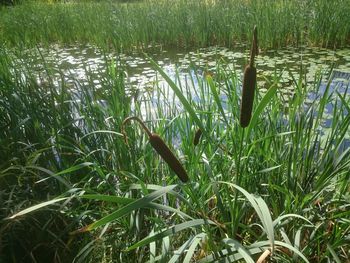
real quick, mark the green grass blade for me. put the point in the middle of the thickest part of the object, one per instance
(108, 198)
(267, 221)
(334, 254)
(180, 251)
(170, 231)
(152, 250)
(66, 171)
(75, 168)
(296, 251)
(261, 209)
(102, 132)
(269, 169)
(297, 240)
(261, 106)
(142, 202)
(228, 256)
(279, 219)
(216, 97)
(51, 174)
(36, 207)
(240, 249)
(188, 107)
(191, 250)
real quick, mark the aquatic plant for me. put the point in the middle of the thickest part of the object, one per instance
(186, 24)
(249, 83)
(197, 136)
(162, 149)
(65, 167)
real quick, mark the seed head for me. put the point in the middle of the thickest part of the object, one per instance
(162, 149)
(197, 137)
(249, 81)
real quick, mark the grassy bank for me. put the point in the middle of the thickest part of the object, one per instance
(177, 23)
(64, 141)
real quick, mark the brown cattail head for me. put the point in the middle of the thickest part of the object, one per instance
(249, 81)
(197, 136)
(163, 150)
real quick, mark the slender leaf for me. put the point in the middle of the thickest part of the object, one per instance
(170, 231)
(261, 106)
(36, 207)
(140, 203)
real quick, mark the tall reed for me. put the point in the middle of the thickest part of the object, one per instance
(67, 156)
(182, 23)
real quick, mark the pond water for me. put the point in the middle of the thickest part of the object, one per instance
(77, 62)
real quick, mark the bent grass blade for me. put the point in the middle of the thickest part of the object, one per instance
(140, 203)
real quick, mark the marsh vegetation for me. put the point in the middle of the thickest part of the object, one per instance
(190, 184)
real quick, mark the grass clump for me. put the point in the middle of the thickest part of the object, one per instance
(129, 25)
(280, 185)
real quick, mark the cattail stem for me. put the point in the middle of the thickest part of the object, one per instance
(239, 176)
(128, 119)
(254, 50)
(255, 35)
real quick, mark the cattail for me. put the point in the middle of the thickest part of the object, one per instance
(249, 82)
(159, 145)
(197, 137)
(162, 149)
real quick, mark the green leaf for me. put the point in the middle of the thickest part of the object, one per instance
(261, 106)
(125, 201)
(157, 187)
(170, 231)
(75, 168)
(51, 174)
(229, 256)
(296, 251)
(261, 209)
(152, 250)
(180, 95)
(334, 254)
(240, 249)
(103, 132)
(266, 170)
(267, 221)
(180, 251)
(280, 218)
(282, 244)
(66, 171)
(190, 252)
(216, 97)
(108, 198)
(36, 207)
(140, 203)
